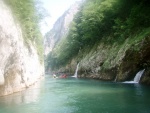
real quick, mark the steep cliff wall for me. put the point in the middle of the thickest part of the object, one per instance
(114, 63)
(20, 65)
(109, 39)
(60, 28)
(120, 63)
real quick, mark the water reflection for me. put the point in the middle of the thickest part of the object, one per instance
(78, 96)
(138, 89)
(23, 97)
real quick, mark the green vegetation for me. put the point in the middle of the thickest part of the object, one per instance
(102, 21)
(28, 14)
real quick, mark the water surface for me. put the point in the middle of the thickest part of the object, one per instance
(73, 95)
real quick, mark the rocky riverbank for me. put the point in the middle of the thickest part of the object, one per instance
(117, 62)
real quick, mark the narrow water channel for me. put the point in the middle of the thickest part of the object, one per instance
(73, 95)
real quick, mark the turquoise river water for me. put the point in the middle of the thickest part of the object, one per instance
(73, 95)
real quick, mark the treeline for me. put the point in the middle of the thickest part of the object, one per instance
(107, 21)
(29, 15)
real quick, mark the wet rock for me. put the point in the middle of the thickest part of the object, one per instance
(145, 79)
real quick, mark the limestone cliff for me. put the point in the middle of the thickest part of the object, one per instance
(60, 28)
(20, 66)
(114, 63)
(109, 40)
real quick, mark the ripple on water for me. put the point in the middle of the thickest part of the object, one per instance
(78, 96)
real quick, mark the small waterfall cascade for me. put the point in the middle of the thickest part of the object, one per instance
(115, 79)
(76, 72)
(138, 76)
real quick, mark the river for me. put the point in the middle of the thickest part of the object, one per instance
(73, 95)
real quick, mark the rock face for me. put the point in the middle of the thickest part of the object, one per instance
(60, 28)
(19, 65)
(115, 63)
(110, 61)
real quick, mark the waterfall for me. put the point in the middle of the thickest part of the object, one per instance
(115, 79)
(138, 76)
(76, 72)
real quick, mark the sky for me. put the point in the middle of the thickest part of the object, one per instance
(55, 8)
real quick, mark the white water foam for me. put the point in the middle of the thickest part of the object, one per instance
(136, 78)
(76, 72)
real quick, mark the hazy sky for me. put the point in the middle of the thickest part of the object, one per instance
(55, 8)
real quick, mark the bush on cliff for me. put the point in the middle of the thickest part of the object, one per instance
(27, 12)
(107, 21)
